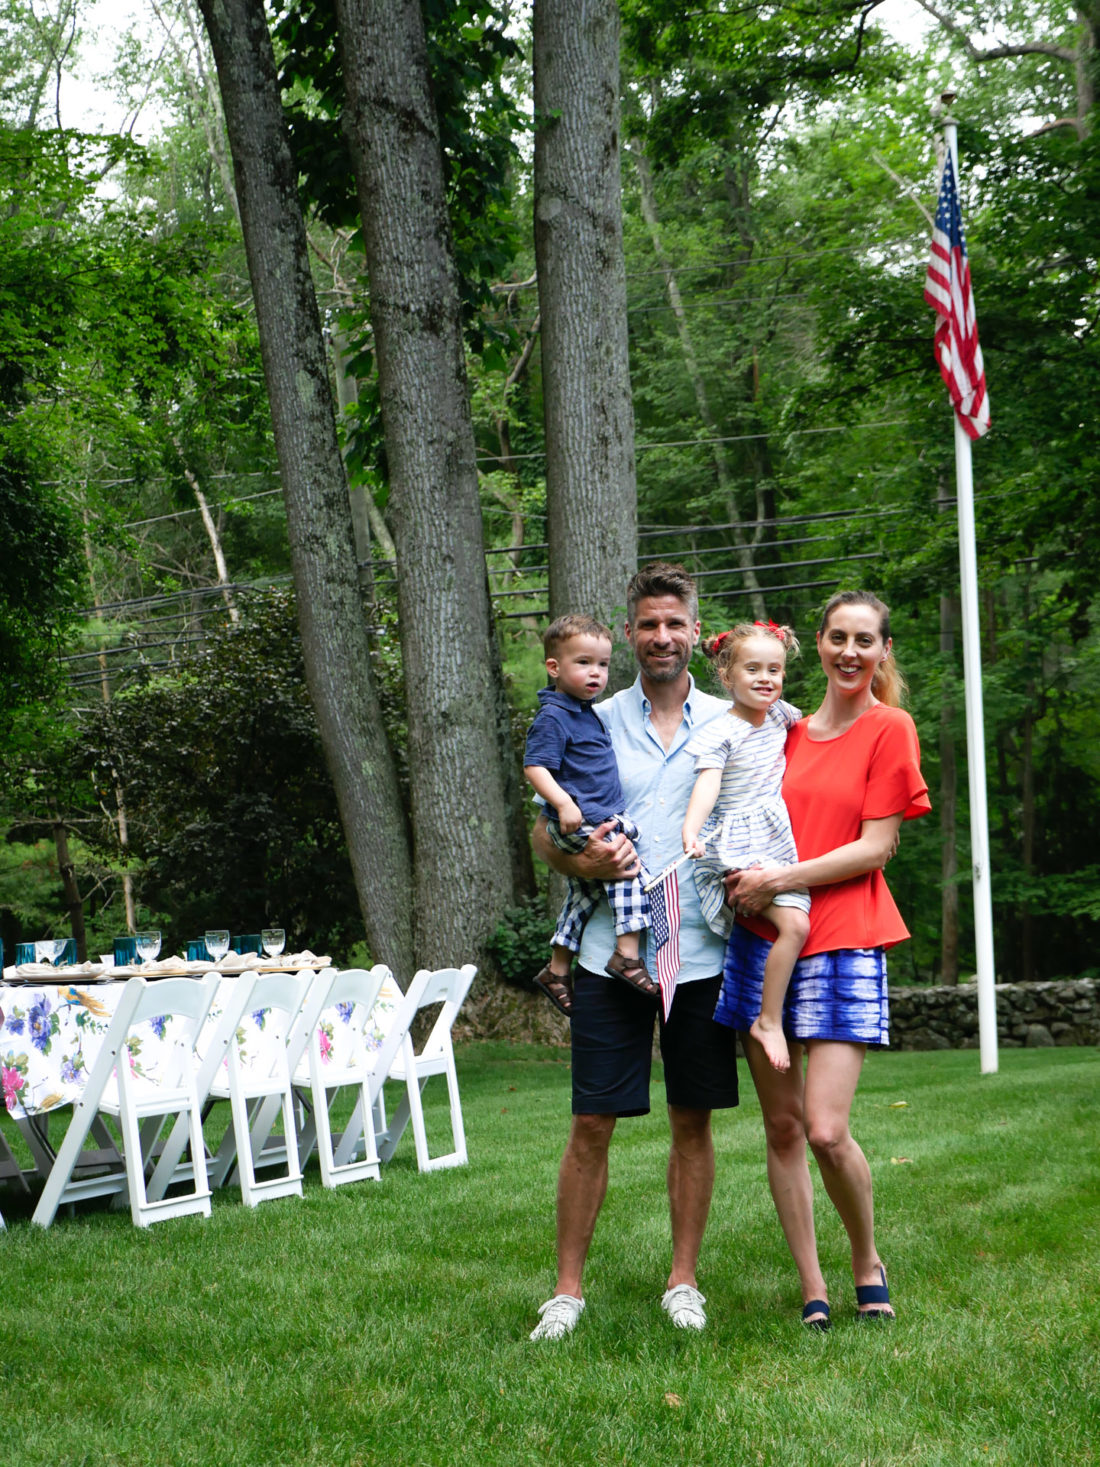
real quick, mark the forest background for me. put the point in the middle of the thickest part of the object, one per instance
(249, 675)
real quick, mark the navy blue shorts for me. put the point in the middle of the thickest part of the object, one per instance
(612, 1028)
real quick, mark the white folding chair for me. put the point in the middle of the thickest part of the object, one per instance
(9, 1167)
(348, 1063)
(116, 1088)
(247, 1081)
(269, 1148)
(448, 986)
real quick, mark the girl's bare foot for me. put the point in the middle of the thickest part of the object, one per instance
(774, 1043)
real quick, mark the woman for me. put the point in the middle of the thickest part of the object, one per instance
(853, 775)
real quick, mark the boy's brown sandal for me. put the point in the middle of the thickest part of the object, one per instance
(634, 972)
(558, 990)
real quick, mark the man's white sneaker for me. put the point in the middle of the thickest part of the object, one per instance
(684, 1306)
(559, 1317)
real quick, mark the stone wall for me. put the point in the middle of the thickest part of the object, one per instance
(1028, 1014)
(1066, 1012)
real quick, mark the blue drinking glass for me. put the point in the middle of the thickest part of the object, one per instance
(125, 949)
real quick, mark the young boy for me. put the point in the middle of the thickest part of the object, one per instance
(569, 761)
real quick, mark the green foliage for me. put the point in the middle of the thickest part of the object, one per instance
(520, 946)
(468, 51)
(789, 147)
(231, 810)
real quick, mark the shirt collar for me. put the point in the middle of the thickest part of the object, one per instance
(646, 706)
(563, 700)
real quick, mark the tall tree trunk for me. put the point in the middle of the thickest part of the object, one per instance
(590, 473)
(330, 615)
(74, 903)
(211, 528)
(1027, 831)
(1027, 800)
(648, 197)
(464, 866)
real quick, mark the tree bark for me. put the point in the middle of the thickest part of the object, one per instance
(464, 853)
(590, 472)
(74, 903)
(334, 636)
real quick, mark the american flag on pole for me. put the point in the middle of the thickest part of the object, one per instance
(947, 291)
(664, 917)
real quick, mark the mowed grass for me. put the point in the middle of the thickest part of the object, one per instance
(387, 1323)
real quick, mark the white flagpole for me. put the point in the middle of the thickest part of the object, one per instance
(975, 723)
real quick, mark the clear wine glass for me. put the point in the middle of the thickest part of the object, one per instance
(50, 950)
(217, 944)
(273, 940)
(147, 945)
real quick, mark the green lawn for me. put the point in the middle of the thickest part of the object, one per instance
(387, 1323)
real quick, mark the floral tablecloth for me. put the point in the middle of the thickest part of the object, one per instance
(51, 1035)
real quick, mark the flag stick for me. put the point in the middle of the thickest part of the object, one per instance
(672, 866)
(975, 723)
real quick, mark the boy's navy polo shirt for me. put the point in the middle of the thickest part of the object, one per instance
(569, 739)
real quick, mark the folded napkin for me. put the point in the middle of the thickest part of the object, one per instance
(255, 962)
(58, 975)
(168, 966)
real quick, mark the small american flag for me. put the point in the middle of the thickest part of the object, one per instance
(947, 291)
(664, 916)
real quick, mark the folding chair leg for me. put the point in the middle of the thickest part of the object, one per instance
(416, 1115)
(458, 1130)
(289, 1185)
(335, 1168)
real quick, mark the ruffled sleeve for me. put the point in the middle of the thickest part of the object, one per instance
(894, 780)
(787, 713)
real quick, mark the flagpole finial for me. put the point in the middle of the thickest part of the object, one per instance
(942, 111)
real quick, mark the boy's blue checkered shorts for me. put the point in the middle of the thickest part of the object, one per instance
(629, 903)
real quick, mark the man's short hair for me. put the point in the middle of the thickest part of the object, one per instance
(572, 624)
(662, 578)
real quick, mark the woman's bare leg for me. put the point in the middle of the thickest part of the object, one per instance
(832, 1072)
(781, 1102)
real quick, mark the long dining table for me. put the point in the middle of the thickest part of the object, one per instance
(55, 1021)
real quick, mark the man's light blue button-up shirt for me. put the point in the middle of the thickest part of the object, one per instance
(657, 784)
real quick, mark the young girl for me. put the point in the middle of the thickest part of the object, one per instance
(736, 817)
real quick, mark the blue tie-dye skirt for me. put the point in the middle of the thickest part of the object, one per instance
(835, 995)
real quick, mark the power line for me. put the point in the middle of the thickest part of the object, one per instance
(180, 514)
(730, 438)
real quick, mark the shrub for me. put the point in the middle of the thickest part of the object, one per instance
(520, 946)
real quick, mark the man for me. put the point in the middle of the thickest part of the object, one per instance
(612, 1023)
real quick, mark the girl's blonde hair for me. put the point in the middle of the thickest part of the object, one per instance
(724, 649)
(888, 685)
